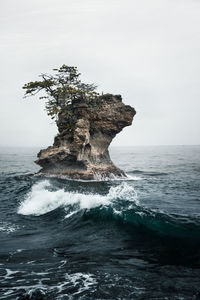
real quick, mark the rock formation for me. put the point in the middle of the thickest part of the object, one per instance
(86, 129)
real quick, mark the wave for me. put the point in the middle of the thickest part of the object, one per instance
(182, 228)
(120, 204)
(42, 199)
(148, 173)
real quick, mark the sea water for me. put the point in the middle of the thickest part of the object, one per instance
(131, 238)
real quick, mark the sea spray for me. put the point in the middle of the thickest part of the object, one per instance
(121, 204)
(41, 200)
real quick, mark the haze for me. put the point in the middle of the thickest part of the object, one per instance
(147, 51)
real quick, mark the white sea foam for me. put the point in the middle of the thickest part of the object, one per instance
(133, 178)
(9, 273)
(86, 281)
(80, 281)
(8, 228)
(97, 178)
(41, 200)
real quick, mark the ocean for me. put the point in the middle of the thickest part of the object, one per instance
(134, 238)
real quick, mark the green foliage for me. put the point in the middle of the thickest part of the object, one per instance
(70, 127)
(60, 89)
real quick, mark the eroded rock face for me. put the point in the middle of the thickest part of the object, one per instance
(80, 150)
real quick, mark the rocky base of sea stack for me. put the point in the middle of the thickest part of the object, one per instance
(91, 173)
(86, 129)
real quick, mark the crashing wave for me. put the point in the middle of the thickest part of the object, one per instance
(42, 200)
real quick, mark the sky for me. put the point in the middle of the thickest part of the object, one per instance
(147, 51)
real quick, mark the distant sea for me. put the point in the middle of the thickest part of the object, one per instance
(134, 238)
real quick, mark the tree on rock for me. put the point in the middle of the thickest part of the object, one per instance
(60, 89)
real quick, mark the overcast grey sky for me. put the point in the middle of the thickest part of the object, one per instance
(147, 51)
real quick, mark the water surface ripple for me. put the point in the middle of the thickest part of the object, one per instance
(136, 238)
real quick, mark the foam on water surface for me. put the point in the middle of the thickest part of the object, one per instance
(98, 178)
(40, 200)
(7, 227)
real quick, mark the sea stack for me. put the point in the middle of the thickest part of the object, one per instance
(86, 129)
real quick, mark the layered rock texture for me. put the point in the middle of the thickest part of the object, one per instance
(86, 129)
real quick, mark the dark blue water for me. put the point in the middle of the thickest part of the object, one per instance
(137, 238)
